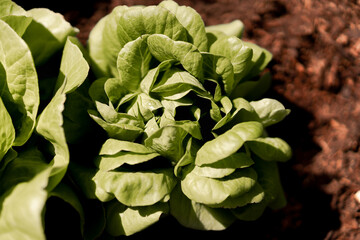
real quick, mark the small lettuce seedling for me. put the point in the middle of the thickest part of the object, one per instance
(181, 106)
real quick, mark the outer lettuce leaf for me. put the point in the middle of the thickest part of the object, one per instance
(142, 188)
(254, 195)
(164, 48)
(8, 157)
(168, 141)
(196, 215)
(127, 128)
(23, 193)
(126, 24)
(261, 57)
(23, 167)
(270, 149)
(8, 7)
(234, 28)
(254, 89)
(269, 180)
(224, 167)
(270, 111)
(53, 29)
(26, 196)
(237, 52)
(149, 80)
(15, 16)
(7, 131)
(220, 69)
(115, 153)
(113, 146)
(241, 111)
(133, 63)
(73, 71)
(228, 143)
(18, 23)
(132, 188)
(20, 93)
(144, 107)
(176, 83)
(123, 220)
(25, 199)
(192, 21)
(212, 191)
(98, 60)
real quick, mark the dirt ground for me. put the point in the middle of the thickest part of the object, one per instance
(316, 73)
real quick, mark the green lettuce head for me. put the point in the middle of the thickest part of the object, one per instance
(34, 153)
(186, 129)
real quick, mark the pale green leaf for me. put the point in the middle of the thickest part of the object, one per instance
(164, 48)
(114, 146)
(18, 23)
(225, 166)
(234, 28)
(255, 195)
(228, 143)
(7, 131)
(168, 141)
(269, 179)
(21, 168)
(215, 191)
(53, 29)
(144, 107)
(196, 215)
(8, 7)
(270, 149)
(237, 52)
(98, 60)
(114, 90)
(192, 21)
(20, 93)
(111, 162)
(25, 199)
(73, 69)
(136, 188)
(133, 63)
(125, 24)
(176, 83)
(97, 91)
(50, 122)
(123, 220)
(220, 69)
(270, 111)
(252, 89)
(127, 128)
(261, 58)
(187, 158)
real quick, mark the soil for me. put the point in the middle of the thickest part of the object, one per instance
(316, 73)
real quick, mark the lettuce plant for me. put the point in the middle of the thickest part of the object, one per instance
(34, 153)
(186, 126)
(175, 116)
